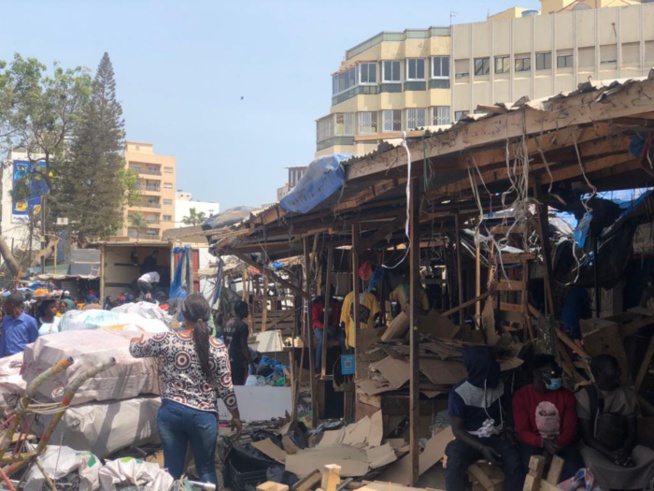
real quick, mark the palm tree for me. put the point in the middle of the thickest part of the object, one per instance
(139, 222)
(194, 217)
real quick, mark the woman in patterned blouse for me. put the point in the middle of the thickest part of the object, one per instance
(195, 369)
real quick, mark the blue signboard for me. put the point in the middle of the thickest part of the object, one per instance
(24, 172)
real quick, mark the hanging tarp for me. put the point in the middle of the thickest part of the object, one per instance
(322, 178)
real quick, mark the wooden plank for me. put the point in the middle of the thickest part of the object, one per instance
(272, 486)
(515, 258)
(535, 474)
(512, 307)
(506, 229)
(542, 225)
(511, 285)
(467, 304)
(459, 267)
(308, 330)
(475, 471)
(644, 366)
(327, 316)
(331, 477)
(264, 304)
(366, 194)
(308, 482)
(554, 473)
(413, 212)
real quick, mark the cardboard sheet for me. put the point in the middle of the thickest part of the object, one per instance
(397, 328)
(333, 437)
(356, 434)
(376, 433)
(437, 325)
(270, 449)
(442, 372)
(394, 370)
(400, 472)
(353, 460)
(277, 403)
(380, 456)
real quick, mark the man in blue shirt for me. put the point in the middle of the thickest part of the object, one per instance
(18, 328)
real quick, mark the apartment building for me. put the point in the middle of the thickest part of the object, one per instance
(430, 78)
(184, 203)
(157, 186)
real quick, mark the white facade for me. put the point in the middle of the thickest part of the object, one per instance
(184, 202)
(13, 228)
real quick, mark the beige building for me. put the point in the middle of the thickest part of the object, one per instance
(157, 185)
(399, 81)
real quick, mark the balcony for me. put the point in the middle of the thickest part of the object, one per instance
(146, 204)
(150, 188)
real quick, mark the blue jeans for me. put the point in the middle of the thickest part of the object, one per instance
(178, 425)
(460, 456)
(340, 335)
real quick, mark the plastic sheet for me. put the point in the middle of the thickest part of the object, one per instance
(145, 475)
(58, 462)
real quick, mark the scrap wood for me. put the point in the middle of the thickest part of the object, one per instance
(309, 481)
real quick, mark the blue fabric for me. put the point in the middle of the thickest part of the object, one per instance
(460, 456)
(176, 288)
(178, 425)
(376, 280)
(323, 177)
(16, 333)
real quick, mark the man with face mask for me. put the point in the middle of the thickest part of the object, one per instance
(545, 417)
(475, 410)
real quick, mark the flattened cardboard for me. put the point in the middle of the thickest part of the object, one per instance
(353, 460)
(397, 328)
(356, 434)
(395, 371)
(400, 472)
(270, 449)
(333, 437)
(442, 372)
(380, 456)
(376, 430)
(437, 325)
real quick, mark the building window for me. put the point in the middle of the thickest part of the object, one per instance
(344, 81)
(325, 128)
(167, 218)
(564, 60)
(608, 54)
(461, 68)
(168, 185)
(586, 57)
(168, 202)
(344, 124)
(440, 67)
(392, 120)
(502, 64)
(459, 115)
(523, 63)
(391, 72)
(168, 170)
(631, 53)
(415, 69)
(368, 73)
(543, 61)
(482, 66)
(416, 118)
(440, 115)
(367, 122)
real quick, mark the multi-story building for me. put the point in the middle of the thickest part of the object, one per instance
(184, 202)
(429, 78)
(294, 175)
(157, 179)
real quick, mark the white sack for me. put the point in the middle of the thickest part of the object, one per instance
(105, 428)
(146, 475)
(128, 378)
(12, 385)
(59, 462)
(90, 320)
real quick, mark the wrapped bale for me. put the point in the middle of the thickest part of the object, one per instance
(128, 378)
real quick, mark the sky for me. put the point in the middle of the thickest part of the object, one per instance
(232, 89)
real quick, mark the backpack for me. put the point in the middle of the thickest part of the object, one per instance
(608, 428)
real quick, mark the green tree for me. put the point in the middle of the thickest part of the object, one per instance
(138, 222)
(94, 184)
(194, 217)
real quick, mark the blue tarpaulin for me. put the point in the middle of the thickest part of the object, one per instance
(322, 178)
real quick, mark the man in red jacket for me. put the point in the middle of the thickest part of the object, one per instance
(545, 417)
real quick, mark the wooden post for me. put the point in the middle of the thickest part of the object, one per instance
(331, 477)
(264, 304)
(309, 330)
(414, 358)
(328, 314)
(459, 271)
(477, 274)
(535, 475)
(543, 235)
(350, 394)
(598, 294)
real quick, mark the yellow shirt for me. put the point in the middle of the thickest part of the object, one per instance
(368, 310)
(401, 295)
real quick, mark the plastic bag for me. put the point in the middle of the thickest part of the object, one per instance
(146, 475)
(59, 462)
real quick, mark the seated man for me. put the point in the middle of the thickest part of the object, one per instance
(607, 416)
(475, 410)
(545, 417)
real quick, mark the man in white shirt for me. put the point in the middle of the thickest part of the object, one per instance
(147, 282)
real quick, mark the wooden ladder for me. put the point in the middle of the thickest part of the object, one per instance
(512, 294)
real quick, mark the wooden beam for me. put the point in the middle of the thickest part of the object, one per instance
(644, 366)
(467, 304)
(327, 317)
(273, 277)
(415, 188)
(368, 193)
(309, 330)
(459, 271)
(542, 223)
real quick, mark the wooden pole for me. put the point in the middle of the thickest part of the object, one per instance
(309, 330)
(414, 358)
(459, 271)
(477, 274)
(327, 317)
(543, 235)
(350, 394)
(264, 304)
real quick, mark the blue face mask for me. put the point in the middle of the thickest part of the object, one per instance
(554, 384)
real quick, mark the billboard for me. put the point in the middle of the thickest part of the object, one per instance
(32, 189)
